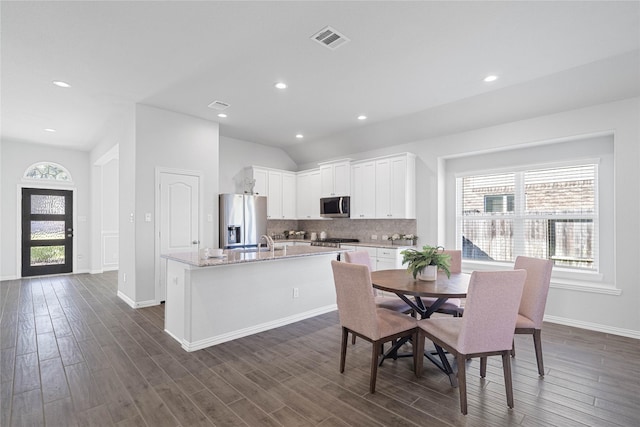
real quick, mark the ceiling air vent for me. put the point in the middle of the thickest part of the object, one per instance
(330, 38)
(219, 105)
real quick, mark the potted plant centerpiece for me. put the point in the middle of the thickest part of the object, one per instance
(424, 264)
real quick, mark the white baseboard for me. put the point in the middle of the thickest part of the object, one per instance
(126, 299)
(593, 326)
(131, 303)
(219, 339)
(3, 278)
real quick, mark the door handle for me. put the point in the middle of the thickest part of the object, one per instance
(195, 242)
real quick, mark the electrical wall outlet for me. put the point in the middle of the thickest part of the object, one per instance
(374, 237)
(385, 237)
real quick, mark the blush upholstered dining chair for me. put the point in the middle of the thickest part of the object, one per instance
(360, 316)
(391, 303)
(486, 329)
(451, 306)
(534, 300)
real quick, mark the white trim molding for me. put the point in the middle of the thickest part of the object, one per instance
(131, 303)
(593, 326)
(230, 336)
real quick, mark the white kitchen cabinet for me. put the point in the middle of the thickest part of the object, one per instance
(363, 190)
(274, 195)
(335, 179)
(262, 180)
(280, 188)
(396, 187)
(308, 194)
(289, 195)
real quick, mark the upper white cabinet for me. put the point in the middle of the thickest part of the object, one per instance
(363, 190)
(280, 188)
(308, 183)
(396, 187)
(289, 195)
(335, 179)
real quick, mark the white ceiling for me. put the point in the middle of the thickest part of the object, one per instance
(414, 68)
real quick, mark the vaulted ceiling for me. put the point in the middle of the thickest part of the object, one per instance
(415, 69)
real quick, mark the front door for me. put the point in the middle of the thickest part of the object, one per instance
(47, 231)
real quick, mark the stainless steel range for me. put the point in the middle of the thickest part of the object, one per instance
(332, 242)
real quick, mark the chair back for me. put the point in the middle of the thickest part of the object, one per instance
(358, 257)
(491, 311)
(536, 287)
(456, 260)
(356, 305)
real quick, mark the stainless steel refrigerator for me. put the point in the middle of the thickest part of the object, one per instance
(243, 220)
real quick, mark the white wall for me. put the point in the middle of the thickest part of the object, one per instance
(169, 140)
(235, 155)
(16, 158)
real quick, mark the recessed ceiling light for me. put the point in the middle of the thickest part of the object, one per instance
(60, 83)
(491, 78)
(222, 115)
(299, 136)
(281, 85)
(49, 130)
(362, 117)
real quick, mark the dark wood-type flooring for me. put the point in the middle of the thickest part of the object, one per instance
(73, 354)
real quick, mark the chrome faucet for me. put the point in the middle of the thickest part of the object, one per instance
(269, 240)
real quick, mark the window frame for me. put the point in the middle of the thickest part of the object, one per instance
(519, 216)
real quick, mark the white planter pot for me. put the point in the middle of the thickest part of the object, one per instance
(430, 273)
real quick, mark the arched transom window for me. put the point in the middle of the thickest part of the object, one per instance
(49, 171)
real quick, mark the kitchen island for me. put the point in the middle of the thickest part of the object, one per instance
(214, 300)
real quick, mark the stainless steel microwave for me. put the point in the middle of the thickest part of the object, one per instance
(335, 207)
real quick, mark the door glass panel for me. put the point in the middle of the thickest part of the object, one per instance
(46, 204)
(47, 230)
(47, 255)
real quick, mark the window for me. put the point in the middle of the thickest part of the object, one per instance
(47, 171)
(544, 213)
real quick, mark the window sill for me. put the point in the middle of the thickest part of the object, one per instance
(582, 281)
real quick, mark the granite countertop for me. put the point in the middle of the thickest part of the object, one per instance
(385, 244)
(238, 256)
(379, 244)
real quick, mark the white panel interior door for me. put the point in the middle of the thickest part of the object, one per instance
(179, 217)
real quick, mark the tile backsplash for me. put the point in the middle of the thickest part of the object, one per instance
(361, 229)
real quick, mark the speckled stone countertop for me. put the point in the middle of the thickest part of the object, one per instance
(373, 244)
(238, 256)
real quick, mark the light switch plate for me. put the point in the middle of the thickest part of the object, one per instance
(147, 217)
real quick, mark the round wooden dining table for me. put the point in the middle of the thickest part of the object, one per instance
(402, 283)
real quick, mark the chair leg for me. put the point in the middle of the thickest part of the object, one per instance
(462, 381)
(483, 366)
(375, 351)
(537, 343)
(506, 367)
(343, 349)
(513, 348)
(418, 352)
